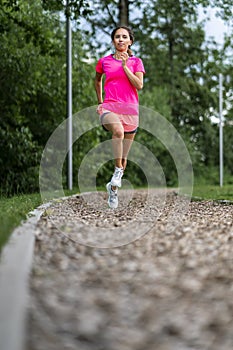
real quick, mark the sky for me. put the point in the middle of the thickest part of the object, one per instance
(215, 26)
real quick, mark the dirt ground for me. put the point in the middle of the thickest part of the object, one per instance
(155, 274)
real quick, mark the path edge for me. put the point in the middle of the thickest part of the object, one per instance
(15, 267)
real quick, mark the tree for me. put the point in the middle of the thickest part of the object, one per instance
(178, 61)
(32, 89)
(181, 80)
(75, 8)
(123, 12)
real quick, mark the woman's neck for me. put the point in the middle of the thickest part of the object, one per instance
(117, 54)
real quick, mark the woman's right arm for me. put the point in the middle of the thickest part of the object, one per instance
(98, 87)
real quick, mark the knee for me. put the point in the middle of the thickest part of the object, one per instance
(118, 133)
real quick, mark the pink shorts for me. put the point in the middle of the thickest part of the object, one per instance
(129, 122)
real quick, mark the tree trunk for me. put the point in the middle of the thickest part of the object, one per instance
(123, 12)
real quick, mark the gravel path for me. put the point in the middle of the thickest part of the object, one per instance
(121, 280)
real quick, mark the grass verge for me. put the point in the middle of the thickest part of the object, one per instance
(213, 192)
(14, 210)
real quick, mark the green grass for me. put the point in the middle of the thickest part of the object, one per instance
(213, 192)
(14, 210)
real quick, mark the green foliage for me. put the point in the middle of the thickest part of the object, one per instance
(161, 153)
(181, 81)
(172, 45)
(19, 161)
(33, 88)
(74, 9)
(182, 68)
(228, 148)
(28, 92)
(156, 98)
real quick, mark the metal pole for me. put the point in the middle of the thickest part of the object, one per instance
(69, 95)
(220, 132)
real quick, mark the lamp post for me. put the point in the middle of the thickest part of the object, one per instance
(220, 132)
(69, 96)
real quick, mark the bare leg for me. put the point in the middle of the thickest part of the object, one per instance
(121, 142)
(111, 122)
(127, 143)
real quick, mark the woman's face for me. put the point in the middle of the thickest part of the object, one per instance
(122, 40)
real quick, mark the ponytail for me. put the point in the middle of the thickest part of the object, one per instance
(129, 52)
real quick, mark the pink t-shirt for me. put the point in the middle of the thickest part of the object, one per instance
(120, 95)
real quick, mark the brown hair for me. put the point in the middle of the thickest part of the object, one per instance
(131, 35)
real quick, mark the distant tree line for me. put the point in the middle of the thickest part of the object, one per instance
(181, 81)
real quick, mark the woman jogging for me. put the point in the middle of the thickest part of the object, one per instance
(119, 109)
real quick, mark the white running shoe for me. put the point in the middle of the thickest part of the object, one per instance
(112, 196)
(116, 177)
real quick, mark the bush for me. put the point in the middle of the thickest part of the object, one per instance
(19, 161)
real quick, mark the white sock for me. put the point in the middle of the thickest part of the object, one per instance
(116, 168)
